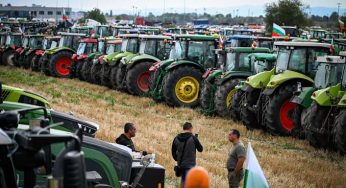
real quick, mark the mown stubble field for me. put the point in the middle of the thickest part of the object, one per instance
(287, 162)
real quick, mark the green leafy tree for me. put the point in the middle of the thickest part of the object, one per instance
(97, 15)
(285, 12)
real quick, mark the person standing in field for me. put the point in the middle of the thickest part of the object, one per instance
(236, 158)
(184, 148)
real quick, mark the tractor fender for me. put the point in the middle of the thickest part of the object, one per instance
(304, 83)
(212, 75)
(179, 63)
(328, 96)
(117, 58)
(259, 80)
(39, 52)
(141, 58)
(342, 102)
(234, 75)
(63, 49)
(304, 97)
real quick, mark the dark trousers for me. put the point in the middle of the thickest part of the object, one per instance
(184, 171)
(234, 181)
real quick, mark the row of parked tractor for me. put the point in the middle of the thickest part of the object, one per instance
(286, 86)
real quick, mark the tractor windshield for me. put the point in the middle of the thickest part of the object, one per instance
(86, 48)
(177, 51)
(35, 42)
(260, 66)
(69, 41)
(246, 42)
(101, 46)
(132, 45)
(25, 42)
(103, 31)
(201, 52)
(328, 74)
(149, 47)
(237, 61)
(113, 48)
(81, 48)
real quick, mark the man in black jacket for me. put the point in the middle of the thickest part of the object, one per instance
(125, 139)
(184, 148)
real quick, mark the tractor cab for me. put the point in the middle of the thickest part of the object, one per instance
(50, 42)
(14, 40)
(103, 31)
(3, 36)
(30, 44)
(117, 30)
(239, 41)
(318, 34)
(70, 40)
(157, 46)
(131, 43)
(329, 71)
(112, 46)
(291, 31)
(87, 46)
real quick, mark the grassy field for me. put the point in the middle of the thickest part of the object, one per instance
(287, 162)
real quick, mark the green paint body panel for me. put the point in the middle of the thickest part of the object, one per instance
(260, 80)
(234, 74)
(278, 79)
(329, 96)
(143, 57)
(342, 102)
(59, 49)
(91, 56)
(129, 57)
(305, 96)
(108, 58)
(183, 62)
(118, 57)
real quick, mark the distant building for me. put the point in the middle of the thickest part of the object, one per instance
(35, 11)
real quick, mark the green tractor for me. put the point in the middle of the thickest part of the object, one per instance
(329, 73)
(219, 84)
(87, 47)
(113, 164)
(49, 42)
(31, 43)
(177, 80)
(130, 45)
(112, 45)
(13, 43)
(324, 122)
(266, 98)
(57, 61)
(133, 71)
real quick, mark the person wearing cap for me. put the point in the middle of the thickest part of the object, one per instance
(236, 158)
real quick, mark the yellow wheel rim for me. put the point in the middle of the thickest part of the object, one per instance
(229, 97)
(187, 89)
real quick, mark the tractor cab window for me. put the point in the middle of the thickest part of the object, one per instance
(178, 50)
(149, 47)
(103, 31)
(53, 44)
(163, 49)
(297, 60)
(110, 48)
(90, 48)
(244, 62)
(282, 60)
(230, 61)
(124, 45)
(17, 40)
(101, 46)
(25, 42)
(313, 53)
(81, 48)
(35, 42)
(328, 74)
(265, 44)
(132, 45)
(260, 66)
(201, 52)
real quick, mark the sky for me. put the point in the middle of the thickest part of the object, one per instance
(245, 8)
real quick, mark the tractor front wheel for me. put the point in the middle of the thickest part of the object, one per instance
(59, 64)
(137, 78)
(119, 77)
(223, 97)
(8, 58)
(235, 105)
(317, 136)
(105, 73)
(35, 63)
(85, 70)
(248, 112)
(279, 112)
(181, 87)
(207, 97)
(340, 131)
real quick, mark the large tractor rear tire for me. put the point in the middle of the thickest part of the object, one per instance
(181, 87)
(35, 63)
(249, 117)
(317, 117)
(280, 110)
(119, 77)
(95, 73)
(44, 66)
(27, 61)
(235, 105)
(8, 58)
(59, 64)
(207, 97)
(79, 66)
(85, 72)
(113, 77)
(223, 97)
(340, 131)
(137, 78)
(105, 73)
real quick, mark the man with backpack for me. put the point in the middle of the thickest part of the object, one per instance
(184, 148)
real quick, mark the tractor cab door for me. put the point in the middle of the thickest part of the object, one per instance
(163, 49)
(202, 52)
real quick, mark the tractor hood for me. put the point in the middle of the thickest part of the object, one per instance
(55, 50)
(233, 74)
(108, 58)
(260, 80)
(126, 60)
(143, 57)
(278, 79)
(119, 57)
(328, 96)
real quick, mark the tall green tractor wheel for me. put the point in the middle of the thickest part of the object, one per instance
(35, 63)
(59, 64)
(113, 77)
(317, 136)
(181, 87)
(235, 105)
(137, 78)
(223, 97)
(279, 113)
(206, 95)
(152, 81)
(95, 73)
(248, 116)
(85, 70)
(105, 74)
(339, 132)
(8, 58)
